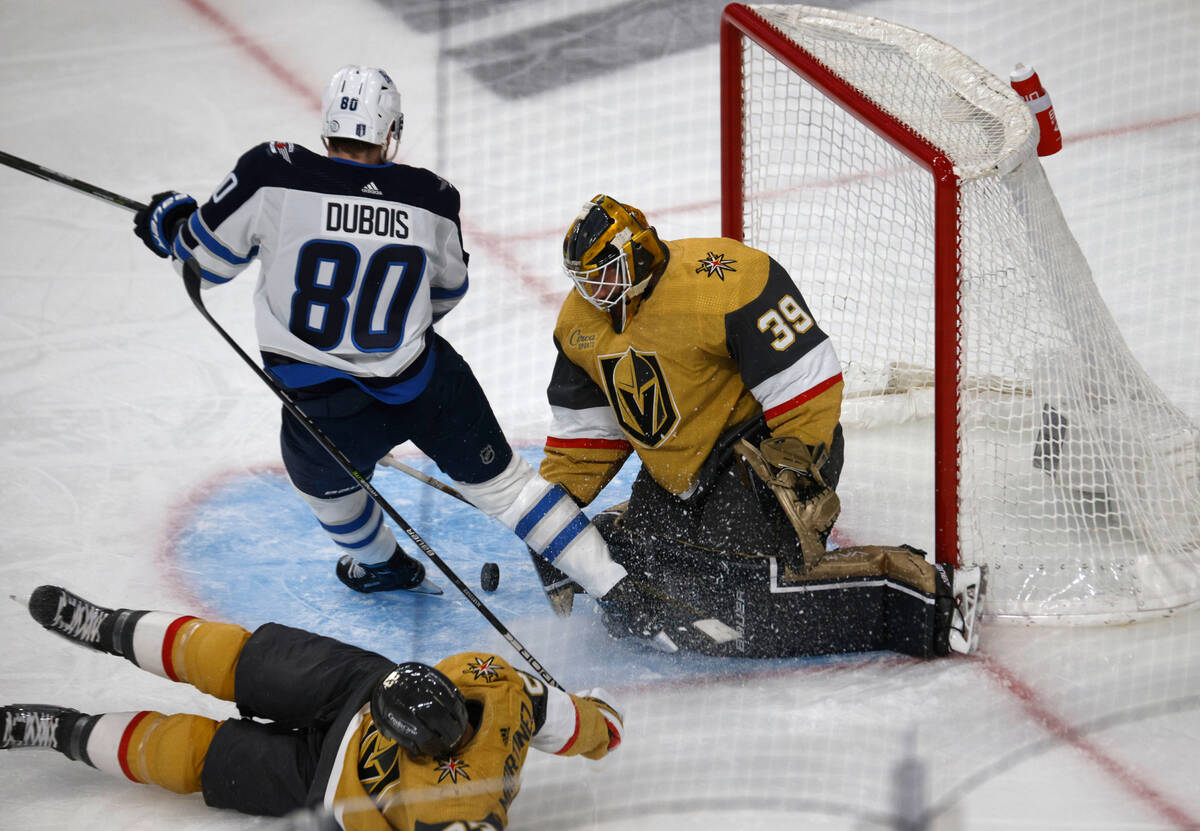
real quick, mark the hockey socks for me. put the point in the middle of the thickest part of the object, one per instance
(151, 748)
(144, 747)
(546, 518)
(355, 522)
(178, 647)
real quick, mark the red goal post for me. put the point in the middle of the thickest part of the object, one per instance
(898, 182)
(739, 20)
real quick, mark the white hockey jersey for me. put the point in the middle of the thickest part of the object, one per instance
(357, 262)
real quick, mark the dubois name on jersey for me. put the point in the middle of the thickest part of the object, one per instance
(344, 218)
(357, 261)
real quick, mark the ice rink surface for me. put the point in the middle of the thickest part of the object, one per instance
(139, 461)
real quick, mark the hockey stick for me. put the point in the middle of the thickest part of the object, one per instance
(554, 582)
(40, 172)
(191, 282)
(391, 461)
(714, 629)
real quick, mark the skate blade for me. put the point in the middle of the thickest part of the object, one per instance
(426, 586)
(562, 601)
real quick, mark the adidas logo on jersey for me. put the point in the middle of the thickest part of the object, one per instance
(371, 189)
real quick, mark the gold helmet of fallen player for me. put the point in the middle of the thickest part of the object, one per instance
(610, 252)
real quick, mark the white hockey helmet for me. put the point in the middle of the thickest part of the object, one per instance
(361, 103)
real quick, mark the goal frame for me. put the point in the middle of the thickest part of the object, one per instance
(739, 22)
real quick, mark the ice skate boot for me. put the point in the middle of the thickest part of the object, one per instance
(559, 588)
(399, 572)
(78, 620)
(970, 584)
(44, 727)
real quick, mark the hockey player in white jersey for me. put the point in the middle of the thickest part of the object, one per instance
(359, 258)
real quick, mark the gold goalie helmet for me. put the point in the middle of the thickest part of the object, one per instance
(610, 252)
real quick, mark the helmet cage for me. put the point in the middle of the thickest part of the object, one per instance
(606, 284)
(610, 252)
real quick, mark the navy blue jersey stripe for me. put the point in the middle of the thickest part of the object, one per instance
(303, 170)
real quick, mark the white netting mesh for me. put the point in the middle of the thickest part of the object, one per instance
(1080, 482)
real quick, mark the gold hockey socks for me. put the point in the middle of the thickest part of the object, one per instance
(152, 748)
(187, 649)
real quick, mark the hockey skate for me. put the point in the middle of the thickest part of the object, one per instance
(69, 615)
(37, 726)
(969, 586)
(400, 572)
(560, 589)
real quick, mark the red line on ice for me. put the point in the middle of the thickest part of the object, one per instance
(1040, 712)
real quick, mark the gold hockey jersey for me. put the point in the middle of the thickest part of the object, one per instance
(376, 786)
(723, 336)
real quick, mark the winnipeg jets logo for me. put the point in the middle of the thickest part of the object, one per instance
(282, 148)
(452, 769)
(372, 189)
(484, 668)
(715, 265)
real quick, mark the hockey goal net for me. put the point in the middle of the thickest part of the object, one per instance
(993, 412)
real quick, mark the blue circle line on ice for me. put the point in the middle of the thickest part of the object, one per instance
(245, 548)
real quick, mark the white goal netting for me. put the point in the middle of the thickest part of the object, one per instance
(1078, 480)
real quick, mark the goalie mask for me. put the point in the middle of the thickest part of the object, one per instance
(361, 103)
(610, 252)
(420, 709)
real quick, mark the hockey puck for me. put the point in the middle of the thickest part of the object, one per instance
(489, 577)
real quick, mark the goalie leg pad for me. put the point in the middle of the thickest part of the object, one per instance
(857, 599)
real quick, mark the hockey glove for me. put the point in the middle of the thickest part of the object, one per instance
(600, 723)
(156, 224)
(792, 470)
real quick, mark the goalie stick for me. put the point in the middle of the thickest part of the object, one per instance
(191, 282)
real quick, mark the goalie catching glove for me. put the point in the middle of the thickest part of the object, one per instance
(792, 470)
(156, 224)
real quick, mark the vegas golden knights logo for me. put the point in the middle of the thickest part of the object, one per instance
(640, 396)
(377, 762)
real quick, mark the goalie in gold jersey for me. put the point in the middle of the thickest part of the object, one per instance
(374, 744)
(702, 356)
